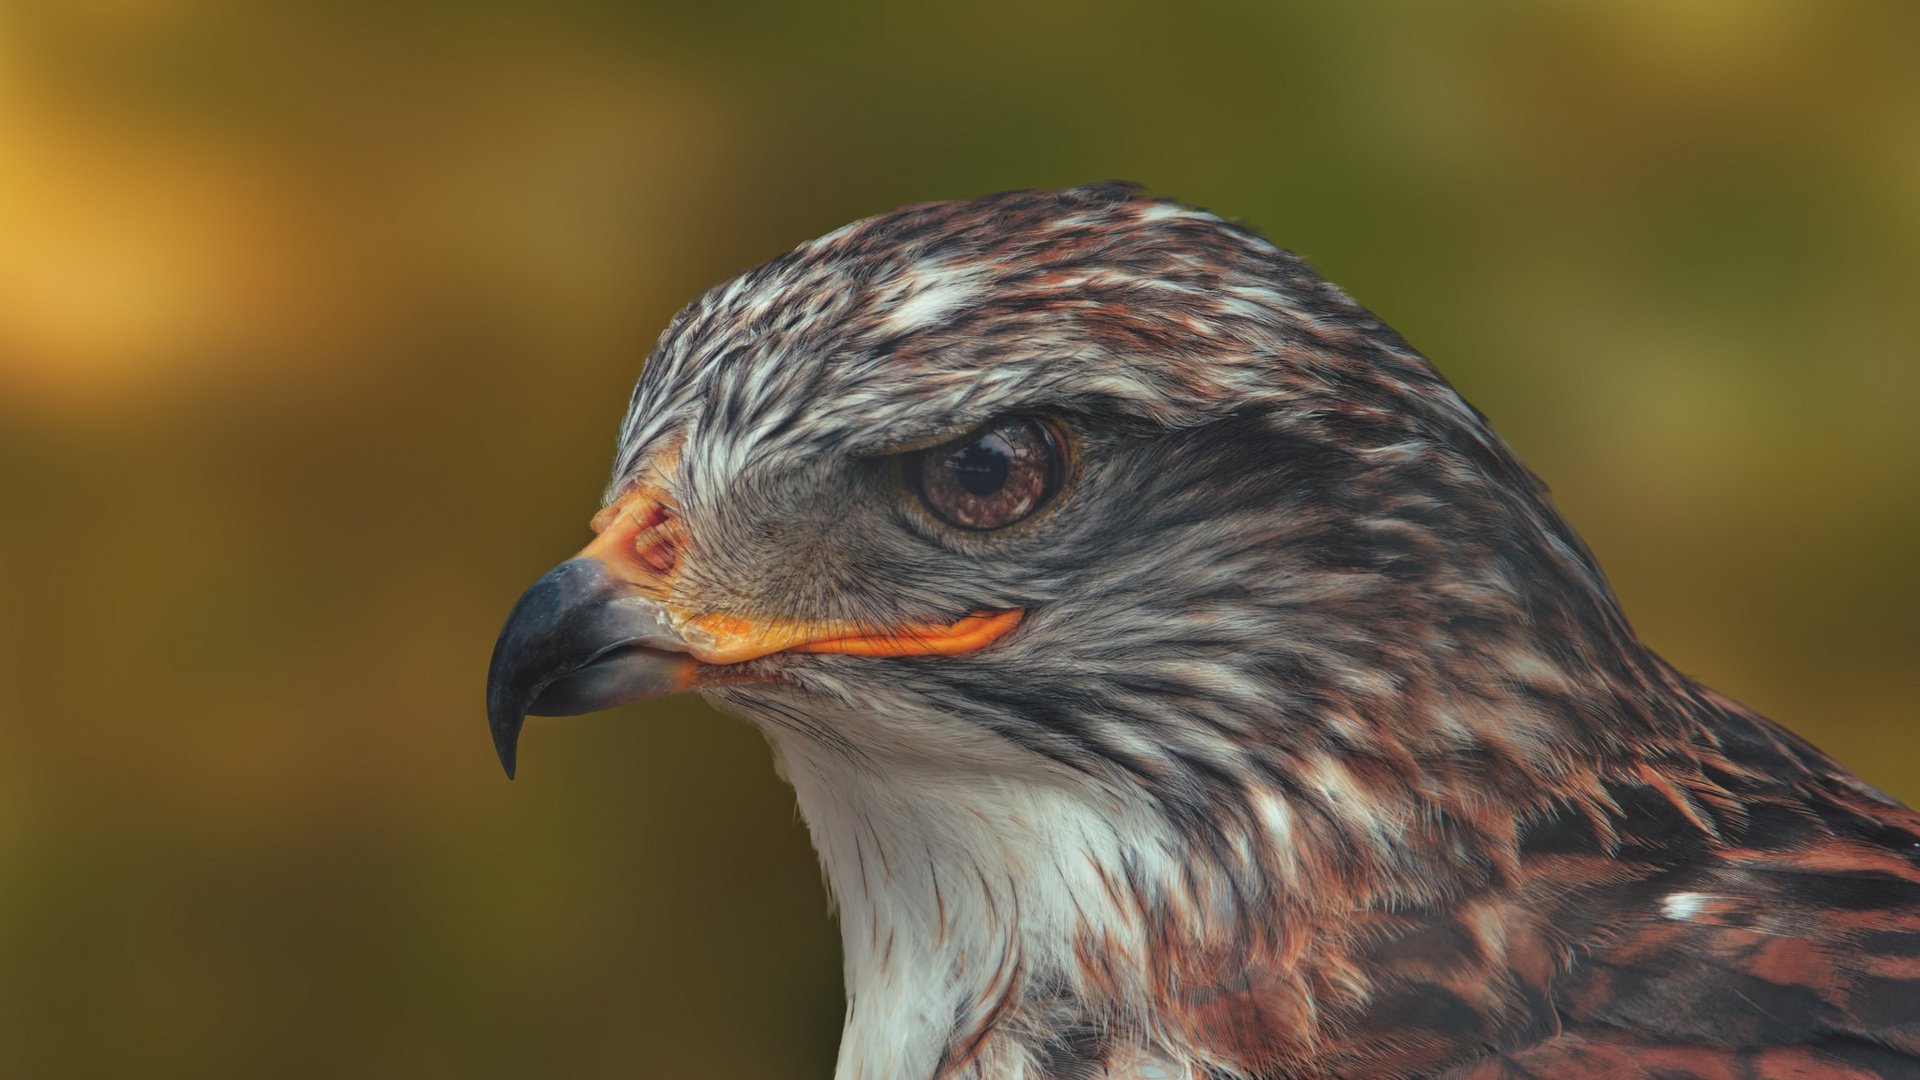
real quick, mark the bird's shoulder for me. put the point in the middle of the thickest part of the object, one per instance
(1735, 906)
(1617, 1055)
(1763, 921)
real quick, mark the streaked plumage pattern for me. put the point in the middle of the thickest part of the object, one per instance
(1323, 748)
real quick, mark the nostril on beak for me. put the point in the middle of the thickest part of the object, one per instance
(659, 546)
(640, 533)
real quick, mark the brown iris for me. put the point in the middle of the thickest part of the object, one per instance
(992, 477)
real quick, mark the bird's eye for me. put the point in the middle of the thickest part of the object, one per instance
(992, 477)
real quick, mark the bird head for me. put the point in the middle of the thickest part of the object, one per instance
(1163, 654)
(1078, 483)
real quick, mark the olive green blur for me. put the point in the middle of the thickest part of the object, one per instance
(317, 319)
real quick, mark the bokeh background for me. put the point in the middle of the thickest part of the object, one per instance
(317, 318)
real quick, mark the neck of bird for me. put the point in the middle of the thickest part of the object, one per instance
(982, 917)
(982, 908)
(976, 913)
(967, 909)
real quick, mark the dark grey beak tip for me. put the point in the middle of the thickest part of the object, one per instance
(577, 641)
(506, 740)
(505, 715)
(530, 652)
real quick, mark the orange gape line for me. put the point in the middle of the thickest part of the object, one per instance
(730, 639)
(967, 635)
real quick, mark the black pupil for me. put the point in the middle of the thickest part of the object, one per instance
(981, 467)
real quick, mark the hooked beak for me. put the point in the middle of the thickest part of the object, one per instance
(578, 641)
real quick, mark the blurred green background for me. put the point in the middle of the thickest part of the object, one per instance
(316, 321)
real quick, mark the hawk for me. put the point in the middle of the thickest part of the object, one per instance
(1180, 680)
